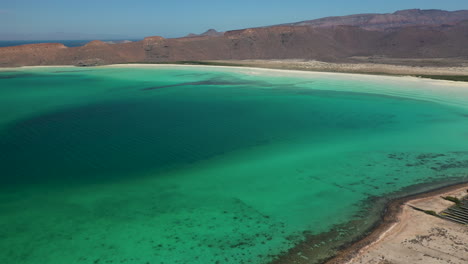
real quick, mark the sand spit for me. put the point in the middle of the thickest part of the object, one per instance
(291, 72)
(399, 68)
(410, 236)
(414, 67)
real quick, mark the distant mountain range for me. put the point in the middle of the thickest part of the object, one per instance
(404, 34)
(403, 18)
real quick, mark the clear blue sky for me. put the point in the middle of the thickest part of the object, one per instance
(173, 18)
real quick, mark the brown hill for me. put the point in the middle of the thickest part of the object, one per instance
(32, 54)
(330, 43)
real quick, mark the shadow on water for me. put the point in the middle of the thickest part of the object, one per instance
(115, 140)
(21, 75)
(217, 81)
(294, 88)
(13, 76)
(74, 71)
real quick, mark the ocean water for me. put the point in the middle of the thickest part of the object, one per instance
(68, 43)
(182, 164)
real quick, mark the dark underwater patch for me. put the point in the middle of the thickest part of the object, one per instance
(215, 81)
(14, 76)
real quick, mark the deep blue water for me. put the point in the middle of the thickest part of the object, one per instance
(68, 43)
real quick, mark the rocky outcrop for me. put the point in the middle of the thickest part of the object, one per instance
(156, 49)
(328, 43)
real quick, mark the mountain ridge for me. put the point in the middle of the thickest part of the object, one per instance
(333, 42)
(401, 18)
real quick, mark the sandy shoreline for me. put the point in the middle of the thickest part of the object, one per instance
(396, 67)
(400, 224)
(385, 242)
(396, 237)
(379, 68)
(287, 70)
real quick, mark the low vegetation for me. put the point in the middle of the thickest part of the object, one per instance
(458, 78)
(452, 199)
(430, 212)
(208, 63)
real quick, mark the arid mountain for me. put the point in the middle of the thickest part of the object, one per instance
(328, 43)
(209, 32)
(403, 18)
(212, 32)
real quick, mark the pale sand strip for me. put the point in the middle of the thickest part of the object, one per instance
(414, 236)
(392, 67)
(400, 68)
(291, 72)
(289, 68)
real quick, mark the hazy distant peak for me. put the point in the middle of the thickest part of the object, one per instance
(210, 32)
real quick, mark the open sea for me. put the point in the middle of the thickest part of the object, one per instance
(68, 43)
(193, 164)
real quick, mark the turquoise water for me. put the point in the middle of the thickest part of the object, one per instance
(212, 165)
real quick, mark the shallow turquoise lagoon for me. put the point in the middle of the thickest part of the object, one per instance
(172, 164)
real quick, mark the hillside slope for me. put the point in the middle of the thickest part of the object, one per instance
(326, 43)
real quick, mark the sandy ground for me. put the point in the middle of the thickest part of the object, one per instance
(416, 237)
(379, 67)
